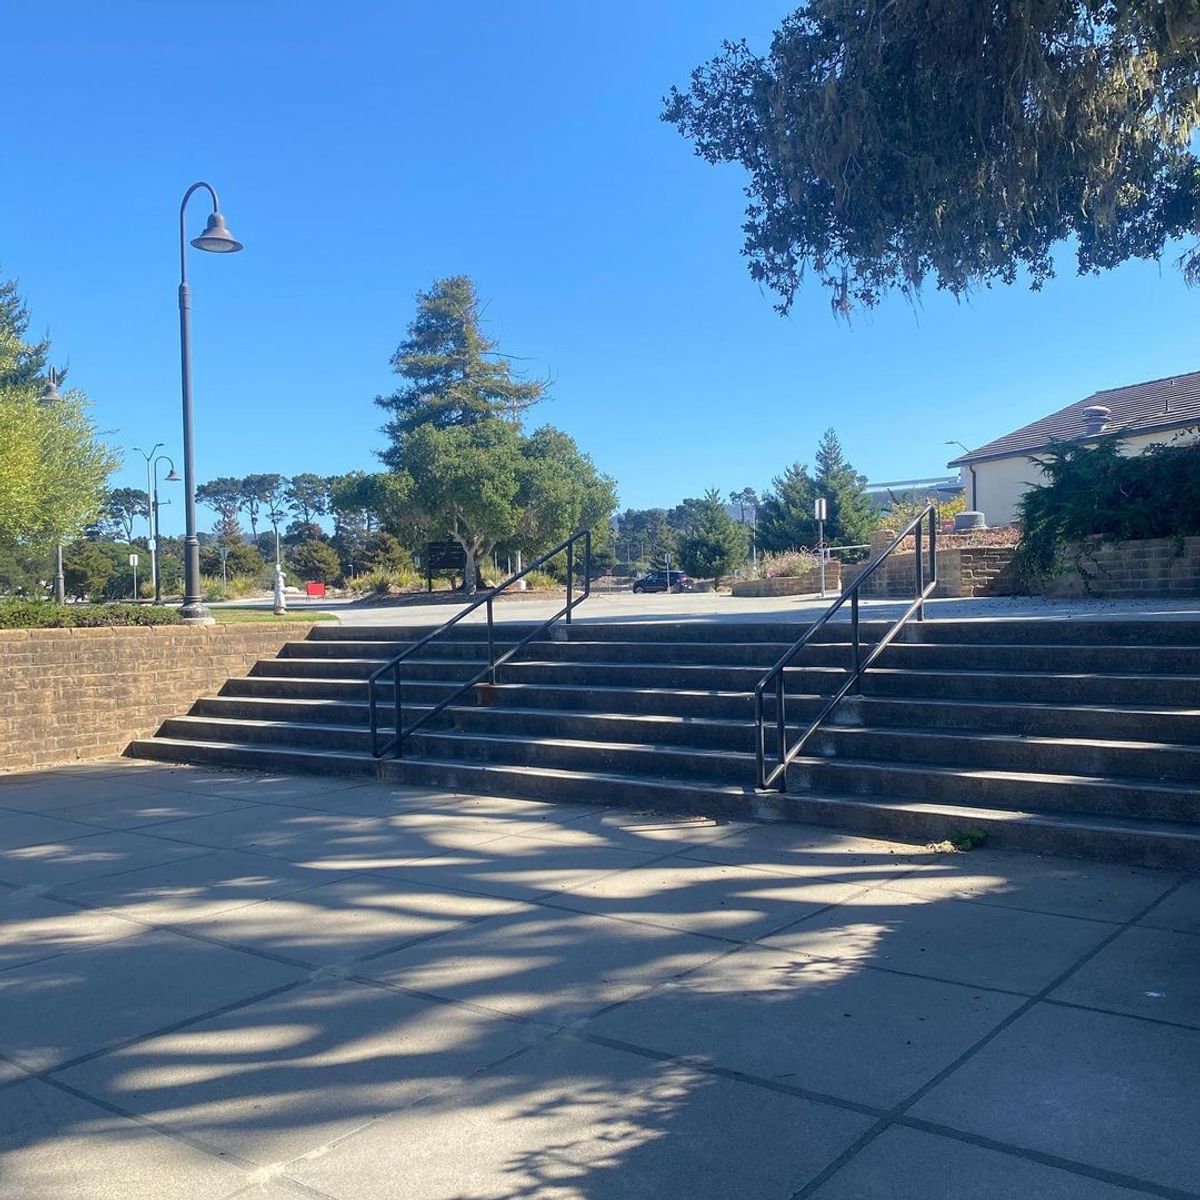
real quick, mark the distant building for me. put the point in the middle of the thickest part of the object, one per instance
(935, 489)
(997, 475)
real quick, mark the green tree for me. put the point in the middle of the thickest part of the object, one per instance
(316, 560)
(240, 558)
(97, 571)
(351, 500)
(560, 492)
(785, 516)
(53, 469)
(453, 373)
(464, 480)
(746, 500)
(890, 141)
(274, 502)
(850, 518)
(224, 497)
(645, 535)
(307, 499)
(715, 544)
(257, 491)
(124, 507)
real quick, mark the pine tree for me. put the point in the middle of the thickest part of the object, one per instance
(224, 497)
(715, 544)
(453, 374)
(22, 363)
(785, 516)
(850, 518)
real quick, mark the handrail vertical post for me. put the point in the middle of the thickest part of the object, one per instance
(919, 564)
(372, 717)
(854, 635)
(491, 643)
(570, 579)
(781, 730)
(760, 739)
(587, 563)
(933, 532)
(399, 707)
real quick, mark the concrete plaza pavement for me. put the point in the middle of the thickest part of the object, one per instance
(706, 607)
(218, 985)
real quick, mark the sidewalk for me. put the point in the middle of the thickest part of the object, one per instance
(219, 984)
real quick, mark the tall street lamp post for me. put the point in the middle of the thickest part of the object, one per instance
(50, 395)
(217, 239)
(155, 505)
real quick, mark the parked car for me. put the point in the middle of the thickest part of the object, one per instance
(663, 581)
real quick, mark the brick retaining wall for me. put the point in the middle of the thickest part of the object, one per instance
(793, 585)
(73, 694)
(1154, 567)
(962, 571)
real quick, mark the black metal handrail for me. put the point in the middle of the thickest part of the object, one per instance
(858, 664)
(399, 733)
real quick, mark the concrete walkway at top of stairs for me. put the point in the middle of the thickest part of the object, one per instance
(711, 606)
(220, 985)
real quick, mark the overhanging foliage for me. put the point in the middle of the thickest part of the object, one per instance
(893, 141)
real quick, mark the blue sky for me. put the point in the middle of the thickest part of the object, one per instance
(365, 148)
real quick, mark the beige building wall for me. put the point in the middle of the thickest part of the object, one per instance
(1000, 483)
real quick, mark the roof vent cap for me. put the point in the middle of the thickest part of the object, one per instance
(1095, 418)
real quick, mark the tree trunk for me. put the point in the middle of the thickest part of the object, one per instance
(470, 572)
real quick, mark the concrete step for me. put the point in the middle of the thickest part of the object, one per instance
(988, 788)
(252, 757)
(1155, 761)
(505, 719)
(296, 687)
(629, 758)
(360, 668)
(1139, 842)
(1134, 630)
(1055, 720)
(1067, 657)
(782, 632)
(1177, 691)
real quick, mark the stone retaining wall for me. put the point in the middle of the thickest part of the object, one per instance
(73, 694)
(965, 571)
(1148, 569)
(793, 585)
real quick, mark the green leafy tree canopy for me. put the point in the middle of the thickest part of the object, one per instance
(892, 141)
(53, 468)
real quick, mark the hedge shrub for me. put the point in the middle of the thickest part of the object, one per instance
(40, 614)
(1095, 491)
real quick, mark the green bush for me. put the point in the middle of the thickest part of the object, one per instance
(382, 581)
(1094, 491)
(40, 614)
(539, 581)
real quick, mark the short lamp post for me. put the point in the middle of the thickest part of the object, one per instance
(151, 538)
(155, 505)
(51, 395)
(217, 239)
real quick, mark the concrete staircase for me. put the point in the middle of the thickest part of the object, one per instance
(1078, 737)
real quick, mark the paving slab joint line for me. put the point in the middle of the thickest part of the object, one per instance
(893, 1115)
(46, 1072)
